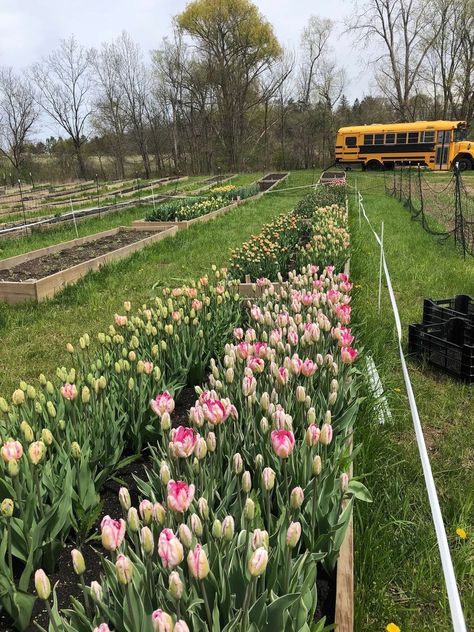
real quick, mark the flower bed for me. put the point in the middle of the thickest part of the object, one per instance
(307, 234)
(253, 489)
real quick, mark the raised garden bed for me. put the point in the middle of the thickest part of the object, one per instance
(270, 181)
(42, 273)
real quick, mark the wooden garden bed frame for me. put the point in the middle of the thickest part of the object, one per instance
(344, 608)
(39, 289)
(275, 182)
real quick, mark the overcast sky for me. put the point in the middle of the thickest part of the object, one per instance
(29, 29)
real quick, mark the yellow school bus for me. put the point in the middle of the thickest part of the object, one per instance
(438, 145)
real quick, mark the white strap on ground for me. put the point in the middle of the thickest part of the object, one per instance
(457, 616)
(384, 413)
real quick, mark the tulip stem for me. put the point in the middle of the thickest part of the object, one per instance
(9, 545)
(269, 518)
(38, 491)
(50, 616)
(206, 603)
(313, 509)
(285, 475)
(246, 604)
(86, 596)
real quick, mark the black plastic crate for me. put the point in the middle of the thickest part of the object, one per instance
(445, 346)
(461, 306)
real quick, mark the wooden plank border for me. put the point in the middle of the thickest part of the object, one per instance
(46, 287)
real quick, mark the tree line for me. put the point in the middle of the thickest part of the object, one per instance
(221, 92)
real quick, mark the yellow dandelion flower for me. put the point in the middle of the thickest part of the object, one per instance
(391, 627)
(461, 533)
(397, 390)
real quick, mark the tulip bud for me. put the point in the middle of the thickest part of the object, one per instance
(249, 509)
(317, 465)
(264, 401)
(62, 424)
(264, 425)
(97, 593)
(311, 416)
(7, 507)
(124, 569)
(159, 513)
(259, 538)
(146, 511)
(75, 450)
(3, 405)
(133, 519)
(217, 529)
(185, 535)
(238, 463)
(146, 539)
(51, 409)
(180, 626)
(196, 525)
(246, 482)
(198, 564)
(296, 498)
(211, 442)
(300, 394)
(344, 482)
(258, 562)
(258, 461)
(13, 468)
(18, 397)
(268, 479)
(175, 585)
(124, 498)
(36, 452)
(85, 395)
(326, 434)
(328, 417)
(78, 562)
(293, 534)
(165, 422)
(228, 528)
(165, 474)
(42, 584)
(200, 449)
(229, 375)
(203, 508)
(47, 436)
(312, 435)
(161, 621)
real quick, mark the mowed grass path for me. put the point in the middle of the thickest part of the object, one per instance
(33, 337)
(398, 572)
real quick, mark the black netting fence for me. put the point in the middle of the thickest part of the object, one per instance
(444, 208)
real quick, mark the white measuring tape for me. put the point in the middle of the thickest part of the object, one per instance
(457, 616)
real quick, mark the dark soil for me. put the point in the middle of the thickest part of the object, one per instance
(50, 264)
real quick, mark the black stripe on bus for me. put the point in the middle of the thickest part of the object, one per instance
(395, 149)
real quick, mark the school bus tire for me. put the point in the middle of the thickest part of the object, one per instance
(464, 162)
(374, 165)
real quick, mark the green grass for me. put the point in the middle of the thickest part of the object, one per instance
(398, 572)
(34, 336)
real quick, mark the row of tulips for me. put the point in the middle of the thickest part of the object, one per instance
(322, 195)
(63, 439)
(310, 234)
(241, 505)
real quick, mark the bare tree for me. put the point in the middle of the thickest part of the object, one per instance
(400, 28)
(109, 118)
(64, 83)
(18, 115)
(314, 45)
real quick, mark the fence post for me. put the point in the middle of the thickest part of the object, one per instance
(459, 235)
(380, 268)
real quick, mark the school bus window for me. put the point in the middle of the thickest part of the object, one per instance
(351, 141)
(368, 139)
(401, 138)
(390, 139)
(427, 137)
(412, 138)
(379, 139)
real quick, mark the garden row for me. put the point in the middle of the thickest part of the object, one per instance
(255, 485)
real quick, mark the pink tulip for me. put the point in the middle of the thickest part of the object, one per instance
(293, 337)
(344, 482)
(249, 385)
(113, 532)
(312, 435)
(257, 563)
(345, 337)
(120, 321)
(197, 562)
(255, 312)
(180, 626)
(260, 349)
(283, 376)
(163, 403)
(309, 368)
(69, 391)
(275, 337)
(262, 282)
(11, 451)
(256, 364)
(103, 627)
(293, 534)
(326, 434)
(180, 496)
(343, 312)
(124, 569)
(296, 365)
(333, 296)
(176, 292)
(348, 355)
(196, 415)
(183, 441)
(147, 367)
(170, 549)
(283, 443)
(176, 316)
(243, 350)
(161, 621)
(191, 292)
(197, 305)
(217, 411)
(238, 333)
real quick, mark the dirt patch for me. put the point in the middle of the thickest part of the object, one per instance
(50, 264)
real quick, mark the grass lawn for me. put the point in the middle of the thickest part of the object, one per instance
(398, 572)
(34, 336)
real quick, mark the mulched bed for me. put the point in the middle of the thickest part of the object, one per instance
(50, 264)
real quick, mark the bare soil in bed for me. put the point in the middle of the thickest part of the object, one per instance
(46, 265)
